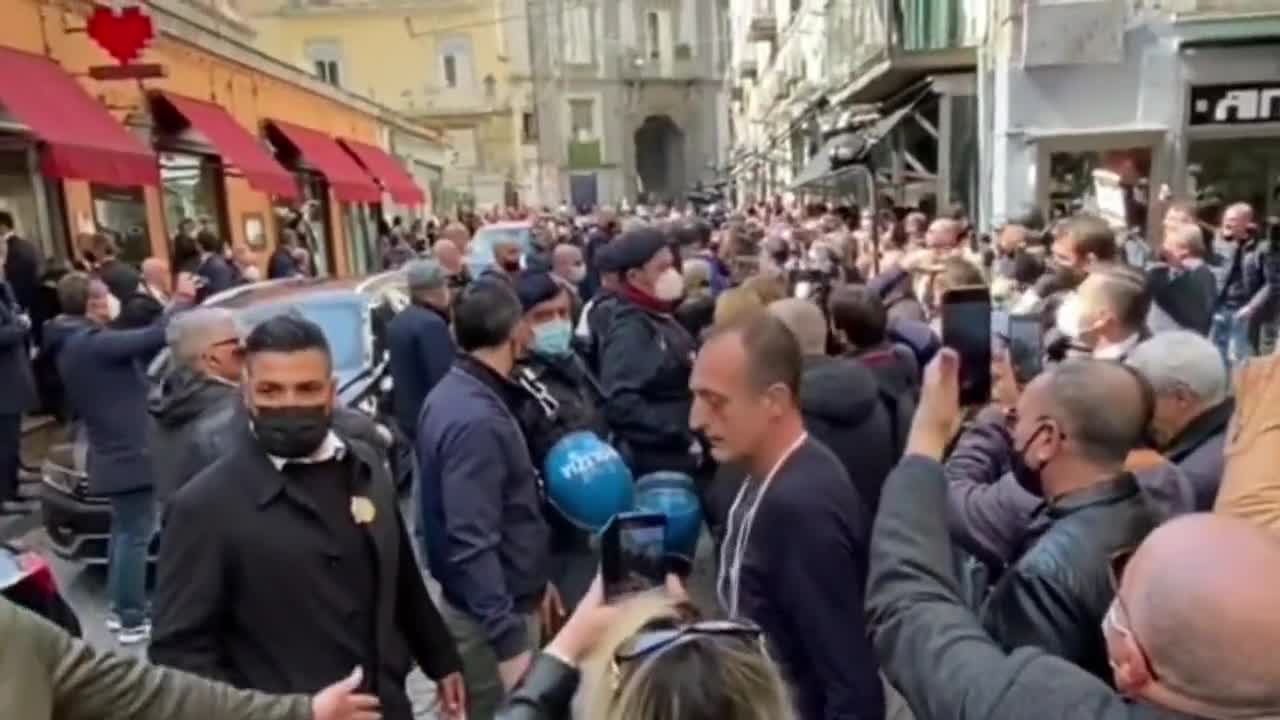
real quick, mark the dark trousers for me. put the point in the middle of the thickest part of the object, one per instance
(10, 455)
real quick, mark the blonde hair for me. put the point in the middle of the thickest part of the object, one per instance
(769, 288)
(742, 676)
(735, 304)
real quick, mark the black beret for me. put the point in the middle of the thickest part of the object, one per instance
(605, 260)
(536, 287)
(637, 247)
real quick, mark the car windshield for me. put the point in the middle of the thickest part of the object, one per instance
(341, 320)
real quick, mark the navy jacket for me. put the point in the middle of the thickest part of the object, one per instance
(107, 388)
(217, 275)
(487, 541)
(421, 353)
(802, 581)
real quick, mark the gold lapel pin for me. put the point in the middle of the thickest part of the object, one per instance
(362, 510)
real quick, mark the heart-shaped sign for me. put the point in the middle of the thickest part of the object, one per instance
(124, 33)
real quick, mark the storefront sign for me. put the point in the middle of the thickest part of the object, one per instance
(1240, 104)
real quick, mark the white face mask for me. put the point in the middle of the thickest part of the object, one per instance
(670, 285)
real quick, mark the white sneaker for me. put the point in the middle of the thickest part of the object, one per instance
(113, 623)
(134, 635)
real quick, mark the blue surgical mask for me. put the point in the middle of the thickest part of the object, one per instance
(553, 339)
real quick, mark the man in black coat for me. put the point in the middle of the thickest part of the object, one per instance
(794, 558)
(1076, 424)
(645, 359)
(286, 562)
(213, 270)
(120, 277)
(419, 341)
(282, 263)
(21, 263)
(18, 397)
(148, 300)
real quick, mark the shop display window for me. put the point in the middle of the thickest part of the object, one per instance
(123, 211)
(192, 189)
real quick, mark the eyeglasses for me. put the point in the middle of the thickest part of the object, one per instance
(237, 350)
(1116, 568)
(650, 642)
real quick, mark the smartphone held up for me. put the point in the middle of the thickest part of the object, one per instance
(966, 328)
(633, 554)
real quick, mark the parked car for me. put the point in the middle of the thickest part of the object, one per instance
(27, 580)
(353, 313)
(480, 249)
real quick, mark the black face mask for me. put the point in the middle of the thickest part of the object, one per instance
(511, 265)
(292, 431)
(1028, 477)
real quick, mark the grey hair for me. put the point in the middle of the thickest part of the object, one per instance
(805, 321)
(1185, 359)
(190, 333)
(632, 224)
(1192, 238)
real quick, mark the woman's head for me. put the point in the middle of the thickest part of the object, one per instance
(734, 304)
(657, 664)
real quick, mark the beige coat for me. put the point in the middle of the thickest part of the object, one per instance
(46, 674)
(1250, 485)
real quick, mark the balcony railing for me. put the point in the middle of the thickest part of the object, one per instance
(747, 69)
(861, 33)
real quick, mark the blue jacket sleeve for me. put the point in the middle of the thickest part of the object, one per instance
(472, 474)
(11, 333)
(435, 353)
(113, 345)
(821, 602)
(987, 513)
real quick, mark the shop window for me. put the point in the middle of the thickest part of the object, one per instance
(192, 190)
(362, 233)
(1225, 171)
(309, 219)
(123, 212)
(18, 196)
(653, 35)
(580, 39)
(582, 118)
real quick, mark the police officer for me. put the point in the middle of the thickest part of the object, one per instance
(562, 398)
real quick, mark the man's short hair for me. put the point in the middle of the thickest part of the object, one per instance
(485, 315)
(1105, 427)
(6, 220)
(860, 314)
(772, 351)
(958, 272)
(73, 293)
(1090, 235)
(1182, 359)
(190, 333)
(1124, 289)
(288, 333)
(1192, 238)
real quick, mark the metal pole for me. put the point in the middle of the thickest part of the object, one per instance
(534, 94)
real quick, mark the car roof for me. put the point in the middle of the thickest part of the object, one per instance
(296, 289)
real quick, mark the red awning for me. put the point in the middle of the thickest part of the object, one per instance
(349, 181)
(81, 140)
(236, 145)
(382, 166)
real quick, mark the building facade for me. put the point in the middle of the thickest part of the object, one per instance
(1183, 94)
(223, 135)
(619, 100)
(890, 85)
(443, 63)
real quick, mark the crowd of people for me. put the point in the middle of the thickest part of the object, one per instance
(1091, 540)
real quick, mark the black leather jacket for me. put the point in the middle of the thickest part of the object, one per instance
(1055, 596)
(546, 692)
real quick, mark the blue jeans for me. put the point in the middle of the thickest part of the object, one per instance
(133, 522)
(1231, 336)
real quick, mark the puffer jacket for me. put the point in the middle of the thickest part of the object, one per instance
(1055, 596)
(845, 409)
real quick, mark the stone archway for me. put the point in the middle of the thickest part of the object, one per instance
(660, 158)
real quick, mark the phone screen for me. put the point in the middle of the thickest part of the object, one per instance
(966, 328)
(633, 553)
(1026, 346)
